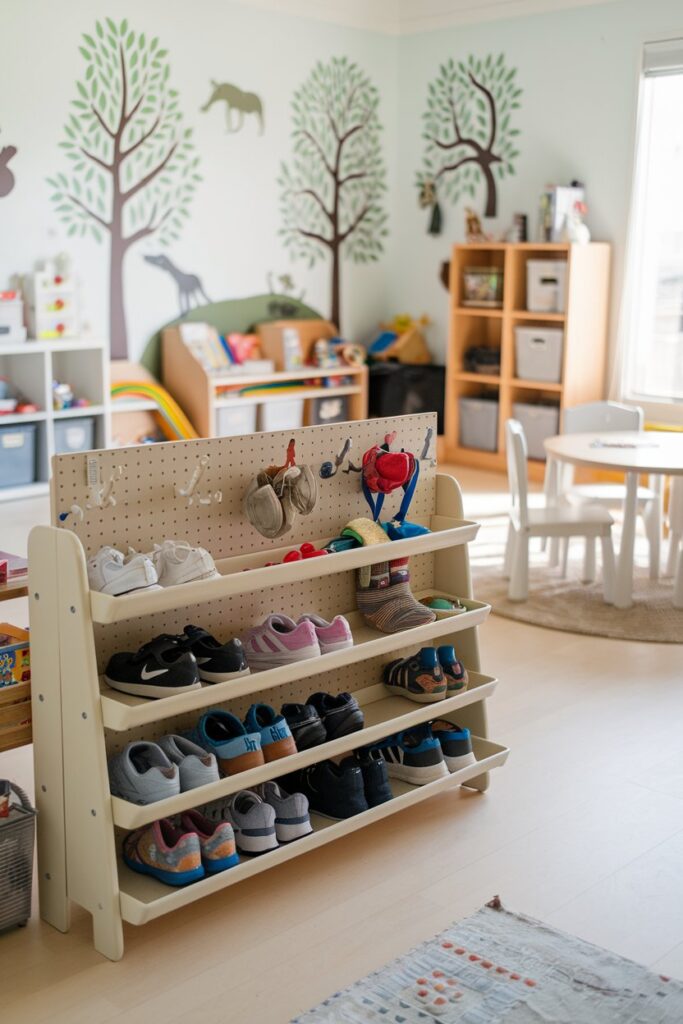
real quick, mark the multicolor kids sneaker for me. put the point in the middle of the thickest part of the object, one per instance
(222, 734)
(419, 678)
(340, 715)
(165, 852)
(453, 669)
(414, 756)
(332, 636)
(292, 820)
(456, 744)
(280, 641)
(216, 841)
(217, 662)
(306, 725)
(276, 737)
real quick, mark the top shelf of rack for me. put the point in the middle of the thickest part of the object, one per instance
(244, 574)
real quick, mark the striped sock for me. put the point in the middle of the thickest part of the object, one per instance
(391, 608)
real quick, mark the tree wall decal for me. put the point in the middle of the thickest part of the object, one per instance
(333, 187)
(468, 128)
(133, 169)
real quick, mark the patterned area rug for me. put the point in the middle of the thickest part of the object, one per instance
(568, 604)
(498, 967)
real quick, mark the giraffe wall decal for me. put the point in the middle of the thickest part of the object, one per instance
(189, 286)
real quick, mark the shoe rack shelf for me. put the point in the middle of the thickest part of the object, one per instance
(585, 337)
(79, 722)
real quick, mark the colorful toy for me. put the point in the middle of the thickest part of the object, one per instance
(172, 420)
(15, 656)
(402, 340)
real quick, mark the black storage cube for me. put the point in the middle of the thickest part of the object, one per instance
(397, 389)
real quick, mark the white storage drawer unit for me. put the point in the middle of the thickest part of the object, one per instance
(539, 422)
(236, 419)
(538, 352)
(546, 286)
(281, 415)
(479, 423)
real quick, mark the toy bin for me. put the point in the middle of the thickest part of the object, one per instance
(74, 435)
(17, 833)
(546, 286)
(332, 409)
(17, 455)
(538, 352)
(236, 419)
(539, 422)
(479, 423)
(281, 415)
(397, 389)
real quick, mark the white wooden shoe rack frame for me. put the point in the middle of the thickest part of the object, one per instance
(78, 721)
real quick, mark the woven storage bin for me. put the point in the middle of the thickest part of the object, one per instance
(17, 834)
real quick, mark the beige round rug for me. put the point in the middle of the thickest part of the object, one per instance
(568, 604)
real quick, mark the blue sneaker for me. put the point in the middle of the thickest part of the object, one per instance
(276, 737)
(222, 734)
(456, 744)
(413, 755)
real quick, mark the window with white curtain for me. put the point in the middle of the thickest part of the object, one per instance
(652, 324)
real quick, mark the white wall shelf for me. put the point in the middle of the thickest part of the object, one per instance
(78, 720)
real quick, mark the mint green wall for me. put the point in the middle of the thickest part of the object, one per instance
(579, 72)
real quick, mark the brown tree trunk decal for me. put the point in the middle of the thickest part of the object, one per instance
(331, 192)
(133, 173)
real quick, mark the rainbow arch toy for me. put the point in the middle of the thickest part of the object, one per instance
(172, 420)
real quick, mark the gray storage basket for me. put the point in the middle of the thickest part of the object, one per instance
(16, 861)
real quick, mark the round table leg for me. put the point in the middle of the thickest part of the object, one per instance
(623, 597)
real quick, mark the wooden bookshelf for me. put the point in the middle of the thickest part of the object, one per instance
(585, 337)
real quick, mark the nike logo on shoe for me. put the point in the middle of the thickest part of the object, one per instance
(146, 674)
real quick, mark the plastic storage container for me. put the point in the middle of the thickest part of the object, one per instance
(236, 419)
(538, 353)
(546, 286)
(281, 415)
(401, 389)
(17, 454)
(74, 435)
(479, 423)
(17, 834)
(539, 422)
(332, 409)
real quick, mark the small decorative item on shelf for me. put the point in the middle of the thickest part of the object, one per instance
(52, 300)
(402, 340)
(482, 287)
(473, 230)
(63, 397)
(575, 230)
(482, 360)
(12, 328)
(556, 202)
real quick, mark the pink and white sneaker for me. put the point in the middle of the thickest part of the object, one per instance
(280, 641)
(332, 636)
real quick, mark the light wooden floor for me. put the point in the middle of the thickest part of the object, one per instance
(583, 827)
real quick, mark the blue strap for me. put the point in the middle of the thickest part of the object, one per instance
(408, 492)
(375, 506)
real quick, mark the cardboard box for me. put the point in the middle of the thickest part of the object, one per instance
(276, 337)
(15, 656)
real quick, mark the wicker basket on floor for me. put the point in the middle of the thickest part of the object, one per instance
(17, 834)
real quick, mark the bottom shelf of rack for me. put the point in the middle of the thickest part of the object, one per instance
(142, 898)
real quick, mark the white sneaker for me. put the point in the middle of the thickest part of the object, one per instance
(110, 573)
(178, 562)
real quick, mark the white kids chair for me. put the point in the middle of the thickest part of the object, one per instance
(589, 521)
(603, 417)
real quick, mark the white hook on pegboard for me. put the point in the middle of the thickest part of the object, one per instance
(189, 490)
(101, 495)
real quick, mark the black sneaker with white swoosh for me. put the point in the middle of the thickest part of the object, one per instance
(217, 662)
(160, 668)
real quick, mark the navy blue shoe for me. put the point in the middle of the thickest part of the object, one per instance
(375, 776)
(456, 744)
(333, 790)
(340, 715)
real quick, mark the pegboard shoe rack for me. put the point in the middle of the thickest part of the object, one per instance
(78, 724)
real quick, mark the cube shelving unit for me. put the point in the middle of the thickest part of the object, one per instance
(79, 721)
(32, 366)
(584, 322)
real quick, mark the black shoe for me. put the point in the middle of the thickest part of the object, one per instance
(305, 725)
(340, 715)
(160, 668)
(333, 790)
(375, 775)
(217, 662)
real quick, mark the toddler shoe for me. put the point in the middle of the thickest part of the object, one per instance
(276, 737)
(456, 744)
(196, 767)
(166, 853)
(142, 774)
(413, 755)
(332, 636)
(453, 669)
(305, 724)
(292, 820)
(280, 641)
(222, 734)
(375, 775)
(216, 841)
(160, 668)
(420, 677)
(110, 573)
(178, 562)
(340, 715)
(217, 662)
(253, 821)
(333, 790)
